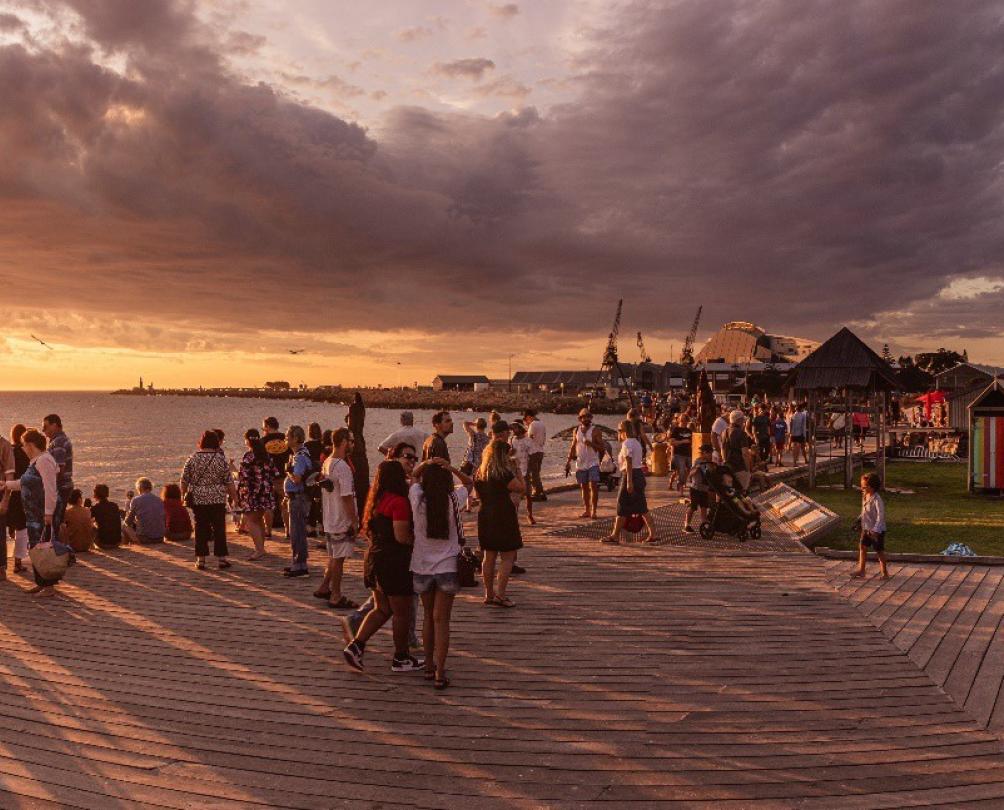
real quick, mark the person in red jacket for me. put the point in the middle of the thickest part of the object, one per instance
(178, 522)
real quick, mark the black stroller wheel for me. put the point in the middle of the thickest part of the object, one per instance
(742, 536)
(756, 532)
(706, 531)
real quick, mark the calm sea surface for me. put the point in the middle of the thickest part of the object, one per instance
(116, 439)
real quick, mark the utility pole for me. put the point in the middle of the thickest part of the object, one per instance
(510, 374)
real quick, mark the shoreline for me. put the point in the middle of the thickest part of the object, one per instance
(411, 399)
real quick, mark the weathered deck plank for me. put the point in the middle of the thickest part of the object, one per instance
(629, 676)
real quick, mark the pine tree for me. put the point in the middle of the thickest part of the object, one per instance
(886, 354)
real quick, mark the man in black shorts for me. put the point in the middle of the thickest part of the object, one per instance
(278, 451)
(699, 479)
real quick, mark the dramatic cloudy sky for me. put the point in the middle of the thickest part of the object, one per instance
(188, 188)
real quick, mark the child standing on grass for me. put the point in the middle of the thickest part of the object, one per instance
(872, 524)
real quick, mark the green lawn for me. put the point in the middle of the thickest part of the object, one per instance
(941, 511)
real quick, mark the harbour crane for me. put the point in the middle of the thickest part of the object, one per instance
(645, 357)
(610, 364)
(611, 373)
(687, 354)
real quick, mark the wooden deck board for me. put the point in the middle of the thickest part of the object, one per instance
(626, 677)
(948, 620)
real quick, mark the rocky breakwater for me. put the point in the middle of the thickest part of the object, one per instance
(414, 398)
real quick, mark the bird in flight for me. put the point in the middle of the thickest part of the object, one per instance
(42, 342)
(297, 351)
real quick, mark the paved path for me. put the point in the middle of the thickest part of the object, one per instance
(626, 677)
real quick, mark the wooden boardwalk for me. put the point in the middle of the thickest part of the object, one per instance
(625, 677)
(949, 619)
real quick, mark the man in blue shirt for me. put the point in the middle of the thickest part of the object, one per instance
(145, 518)
(61, 450)
(298, 468)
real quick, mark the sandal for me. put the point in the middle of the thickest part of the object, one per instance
(321, 594)
(224, 564)
(503, 602)
(429, 675)
(488, 600)
(256, 556)
(343, 604)
(441, 683)
(610, 541)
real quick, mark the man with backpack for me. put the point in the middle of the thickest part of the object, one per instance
(298, 468)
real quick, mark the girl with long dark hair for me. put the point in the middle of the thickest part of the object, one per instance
(386, 567)
(436, 507)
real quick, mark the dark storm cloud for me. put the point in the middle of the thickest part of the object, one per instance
(11, 22)
(791, 162)
(801, 164)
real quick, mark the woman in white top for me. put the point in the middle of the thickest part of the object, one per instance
(631, 497)
(522, 448)
(872, 525)
(436, 510)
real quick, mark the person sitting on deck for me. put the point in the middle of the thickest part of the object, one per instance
(107, 518)
(177, 521)
(77, 530)
(144, 522)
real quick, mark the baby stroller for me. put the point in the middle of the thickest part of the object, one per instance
(732, 512)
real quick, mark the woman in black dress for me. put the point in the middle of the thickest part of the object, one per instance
(16, 522)
(497, 483)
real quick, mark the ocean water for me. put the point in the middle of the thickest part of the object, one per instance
(117, 439)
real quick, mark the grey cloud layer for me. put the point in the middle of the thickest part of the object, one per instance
(801, 164)
(473, 68)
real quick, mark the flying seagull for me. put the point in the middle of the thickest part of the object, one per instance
(297, 351)
(42, 342)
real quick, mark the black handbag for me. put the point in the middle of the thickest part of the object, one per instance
(468, 563)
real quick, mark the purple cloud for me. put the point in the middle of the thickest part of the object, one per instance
(796, 164)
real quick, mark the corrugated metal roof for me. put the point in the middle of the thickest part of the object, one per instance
(462, 378)
(731, 345)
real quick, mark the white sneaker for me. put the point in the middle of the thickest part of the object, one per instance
(409, 664)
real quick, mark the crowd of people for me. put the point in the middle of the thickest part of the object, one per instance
(314, 483)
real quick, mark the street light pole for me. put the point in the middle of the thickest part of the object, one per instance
(510, 374)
